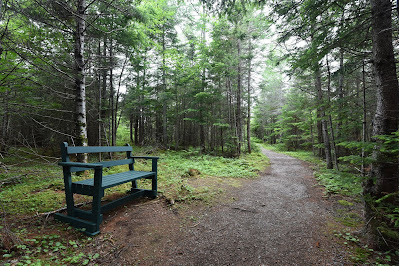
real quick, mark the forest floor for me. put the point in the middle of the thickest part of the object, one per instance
(281, 218)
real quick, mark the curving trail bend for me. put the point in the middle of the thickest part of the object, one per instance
(279, 219)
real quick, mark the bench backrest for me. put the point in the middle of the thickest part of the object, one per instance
(67, 150)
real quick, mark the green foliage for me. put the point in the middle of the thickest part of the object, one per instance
(174, 166)
(40, 188)
(347, 236)
(338, 182)
(50, 249)
(387, 211)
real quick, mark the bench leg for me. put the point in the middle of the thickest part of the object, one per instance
(154, 186)
(134, 184)
(97, 217)
(68, 193)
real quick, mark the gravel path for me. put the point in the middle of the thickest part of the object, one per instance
(277, 219)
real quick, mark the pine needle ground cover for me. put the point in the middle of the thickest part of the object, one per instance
(30, 190)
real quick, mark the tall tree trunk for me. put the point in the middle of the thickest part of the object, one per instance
(326, 139)
(384, 178)
(132, 119)
(5, 126)
(249, 97)
(80, 79)
(104, 108)
(112, 94)
(116, 120)
(99, 99)
(312, 134)
(238, 113)
(364, 123)
(203, 85)
(385, 168)
(334, 148)
(164, 102)
(141, 104)
(177, 123)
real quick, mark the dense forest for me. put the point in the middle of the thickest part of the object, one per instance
(174, 73)
(306, 74)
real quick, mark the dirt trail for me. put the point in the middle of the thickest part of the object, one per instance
(278, 219)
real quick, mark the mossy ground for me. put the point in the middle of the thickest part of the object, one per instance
(32, 185)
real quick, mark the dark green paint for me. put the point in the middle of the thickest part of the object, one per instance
(91, 220)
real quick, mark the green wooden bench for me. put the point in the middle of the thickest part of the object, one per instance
(91, 220)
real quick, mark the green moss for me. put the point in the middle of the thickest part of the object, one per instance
(349, 219)
(345, 203)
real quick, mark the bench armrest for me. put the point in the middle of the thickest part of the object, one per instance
(154, 161)
(85, 165)
(144, 157)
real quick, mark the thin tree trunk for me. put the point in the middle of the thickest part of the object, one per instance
(5, 123)
(112, 94)
(364, 123)
(116, 120)
(104, 92)
(238, 113)
(99, 101)
(132, 128)
(334, 148)
(249, 98)
(80, 79)
(312, 134)
(326, 139)
(177, 123)
(202, 126)
(164, 102)
(141, 104)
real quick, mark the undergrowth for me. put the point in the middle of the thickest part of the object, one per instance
(31, 186)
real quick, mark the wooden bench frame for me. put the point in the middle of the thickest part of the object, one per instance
(91, 220)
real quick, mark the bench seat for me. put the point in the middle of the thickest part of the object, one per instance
(114, 179)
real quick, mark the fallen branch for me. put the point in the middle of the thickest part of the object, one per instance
(47, 214)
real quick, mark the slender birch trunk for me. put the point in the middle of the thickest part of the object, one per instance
(80, 81)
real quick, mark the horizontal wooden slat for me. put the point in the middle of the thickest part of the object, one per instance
(145, 157)
(84, 165)
(116, 162)
(96, 149)
(91, 228)
(104, 164)
(79, 169)
(115, 179)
